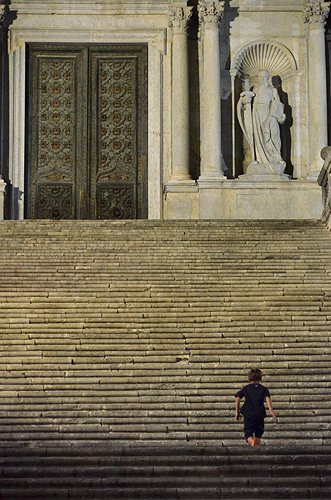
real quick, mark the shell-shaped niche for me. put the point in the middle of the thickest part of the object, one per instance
(264, 55)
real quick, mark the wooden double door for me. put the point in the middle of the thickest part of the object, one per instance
(86, 132)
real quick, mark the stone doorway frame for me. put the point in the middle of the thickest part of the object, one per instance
(18, 40)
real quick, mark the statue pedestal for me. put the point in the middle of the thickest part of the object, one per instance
(264, 172)
(248, 197)
(252, 198)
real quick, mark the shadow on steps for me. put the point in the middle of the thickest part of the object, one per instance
(99, 471)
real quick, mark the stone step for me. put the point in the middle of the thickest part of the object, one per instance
(164, 472)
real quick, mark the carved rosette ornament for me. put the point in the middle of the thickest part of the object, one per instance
(210, 12)
(179, 18)
(316, 14)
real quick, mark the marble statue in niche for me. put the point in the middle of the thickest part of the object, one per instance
(260, 113)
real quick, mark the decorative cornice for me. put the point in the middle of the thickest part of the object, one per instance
(90, 7)
(210, 12)
(316, 13)
(179, 17)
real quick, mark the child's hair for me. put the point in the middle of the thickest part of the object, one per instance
(254, 375)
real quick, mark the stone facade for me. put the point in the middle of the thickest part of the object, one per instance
(200, 54)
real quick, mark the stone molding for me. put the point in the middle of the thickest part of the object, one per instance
(155, 38)
(179, 18)
(316, 14)
(90, 7)
(210, 12)
(19, 37)
(180, 187)
(268, 5)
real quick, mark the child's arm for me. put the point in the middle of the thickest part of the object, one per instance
(238, 416)
(270, 407)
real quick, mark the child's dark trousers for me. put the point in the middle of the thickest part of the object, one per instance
(253, 427)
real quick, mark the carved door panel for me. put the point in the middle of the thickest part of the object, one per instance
(57, 131)
(87, 132)
(118, 140)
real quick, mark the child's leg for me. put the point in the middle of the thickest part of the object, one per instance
(259, 430)
(249, 430)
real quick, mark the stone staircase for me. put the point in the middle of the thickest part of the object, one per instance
(122, 346)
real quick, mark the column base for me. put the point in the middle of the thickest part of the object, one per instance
(211, 179)
(180, 179)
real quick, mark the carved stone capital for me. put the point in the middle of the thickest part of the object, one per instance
(316, 13)
(179, 18)
(210, 12)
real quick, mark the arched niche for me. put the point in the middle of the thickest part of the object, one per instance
(279, 61)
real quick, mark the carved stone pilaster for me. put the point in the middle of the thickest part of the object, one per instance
(212, 164)
(179, 18)
(316, 13)
(315, 16)
(6, 18)
(3, 30)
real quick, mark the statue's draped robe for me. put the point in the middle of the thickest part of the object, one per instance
(266, 112)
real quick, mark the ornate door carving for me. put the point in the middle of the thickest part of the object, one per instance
(87, 132)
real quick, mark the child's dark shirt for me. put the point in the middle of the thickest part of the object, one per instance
(254, 395)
